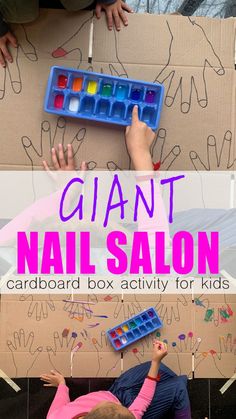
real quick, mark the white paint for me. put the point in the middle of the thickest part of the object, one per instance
(74, 104)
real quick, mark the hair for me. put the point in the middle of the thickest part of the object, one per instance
(109, 411)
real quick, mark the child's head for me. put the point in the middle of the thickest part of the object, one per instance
(108, 410)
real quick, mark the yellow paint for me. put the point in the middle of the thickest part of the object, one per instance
(125, 328)
(77, 84)
(92, 87)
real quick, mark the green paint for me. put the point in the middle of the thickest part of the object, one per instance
(107, 90)
(132, 324)
(224, 314)
(209, 315)
(158, 335)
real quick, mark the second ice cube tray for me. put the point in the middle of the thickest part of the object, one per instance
(100, 97)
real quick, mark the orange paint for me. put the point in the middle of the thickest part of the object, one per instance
(77, 84)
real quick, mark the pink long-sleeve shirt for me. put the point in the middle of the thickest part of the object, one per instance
(63, 408)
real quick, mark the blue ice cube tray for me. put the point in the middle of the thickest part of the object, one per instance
(103, 98)
(134, 329)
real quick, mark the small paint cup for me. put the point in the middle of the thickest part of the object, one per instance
(117, 343)
(150, 96)
(92, 87)
(106, 90)
(136, 94)
(58, 101)
(121, 92)
(74, 104)
(77, 84)
(62, 81)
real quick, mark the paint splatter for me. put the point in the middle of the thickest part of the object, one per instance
(93, 325)
(198, 302)
(135, 351)
(212, 352)
(65, 332)
(182, 336)
(158, 335)
(209, 315)
(225, 313)
(77, 347)
(190, 334)
(74, 335)
(173, 344)
(94, 341)
(107, 298)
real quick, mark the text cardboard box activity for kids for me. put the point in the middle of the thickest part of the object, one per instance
(194, 59)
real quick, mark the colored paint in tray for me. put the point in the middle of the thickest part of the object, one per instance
(102, 98)
(134, 328)
(106, 90)
(77, 84)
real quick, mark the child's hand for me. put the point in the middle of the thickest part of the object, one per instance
(59, 160)
(4, 52)
(139, 138)
(53, 379)
(114, 12)
(159, 350)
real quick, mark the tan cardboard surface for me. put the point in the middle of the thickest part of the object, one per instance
(189, 55)
(194, 58)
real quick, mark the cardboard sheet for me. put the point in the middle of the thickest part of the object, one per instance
(194, 58)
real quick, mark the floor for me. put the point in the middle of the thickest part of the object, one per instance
(33, 400)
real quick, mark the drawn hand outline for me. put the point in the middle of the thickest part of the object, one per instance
(47, 141)
(21, 339)
(12, 70)
(170, 312)
(62, 342)
(67, 48)
(40, 309)
(186, 85)
(215, 158)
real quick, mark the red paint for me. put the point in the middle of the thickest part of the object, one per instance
(157, 165)
(58, 101)
(212, 352)
(59, 52)
(107, 298)
(113, 334)
(62, 81)
(190, 334)
(117, 343)
(135, 351)
(230, 311)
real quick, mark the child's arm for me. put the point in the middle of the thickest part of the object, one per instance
(139, 138)
(6, 37)
(145, 396)
(115, 12)
(55, 379)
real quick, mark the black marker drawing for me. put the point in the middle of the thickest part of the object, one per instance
(22, 344)
(170, 312)
(47, 141)
(160, 158)
(105, 364)
(216, 157)
(38, 309)
(220, 358)
(158, 151)
(72, 46)
(12, 71)
(185, 85)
